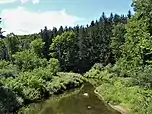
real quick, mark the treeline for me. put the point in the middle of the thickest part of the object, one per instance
(91, 44)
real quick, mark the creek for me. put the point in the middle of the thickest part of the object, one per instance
(78, 101)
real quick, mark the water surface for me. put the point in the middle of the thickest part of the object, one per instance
(73, 102)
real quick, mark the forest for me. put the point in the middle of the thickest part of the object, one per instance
(113, 53)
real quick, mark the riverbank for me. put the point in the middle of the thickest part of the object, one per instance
(71, 102)
(121, 92)
(33, 89)
(118, 108)
(40, 107)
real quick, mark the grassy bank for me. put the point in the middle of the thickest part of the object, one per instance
(121, 109)
(120, 91)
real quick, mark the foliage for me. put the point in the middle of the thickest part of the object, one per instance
(33, 87)
(144, 76)
(119, 48)
(26, 85)
(117, 40)
(9, 101)
(133, 97)
(136, 50)
(11, 43)
(65, 50)
(28, 60)
(37, 46)
(64, 81)
(7, 69)
(31, 84)
(122, 91)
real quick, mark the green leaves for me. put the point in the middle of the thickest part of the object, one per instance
(118, 40)
(136, 50)
(65, 49)
(28, 60)
(7, 69)
(9, 101)
(37, 46)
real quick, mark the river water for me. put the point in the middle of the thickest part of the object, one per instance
(82, 101)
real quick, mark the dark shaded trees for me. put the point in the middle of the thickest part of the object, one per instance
(117, 40)
(46, 38)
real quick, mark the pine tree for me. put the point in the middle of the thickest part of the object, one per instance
(46, 38)
(117, 40)
(129, 14)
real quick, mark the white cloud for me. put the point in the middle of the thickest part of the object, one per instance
(35, 1)
(22, 21)
(6, 1)
(22, 1)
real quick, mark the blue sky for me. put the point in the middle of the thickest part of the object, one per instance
(28, 16)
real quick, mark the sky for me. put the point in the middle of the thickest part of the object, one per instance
(29, 16)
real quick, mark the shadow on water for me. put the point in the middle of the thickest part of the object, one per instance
(83, 101)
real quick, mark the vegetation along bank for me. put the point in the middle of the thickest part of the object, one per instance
(114, 53)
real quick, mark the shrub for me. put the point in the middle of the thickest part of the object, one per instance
(7, 69)
(28, 60)
(9, 101)
(64, 81)
(26, 85)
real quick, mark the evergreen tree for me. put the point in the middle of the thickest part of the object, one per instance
(117, 40)
(60, 31)
(129, 14)
(1, 32)
(46, 38)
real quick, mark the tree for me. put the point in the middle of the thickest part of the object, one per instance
(1, 32)
(2, 50)
(28, 60)
(137, 49)
(117, 40)
(65, 50)
(129, 14)
(37, 47)
(60, 31)
(11, 44)
(46, 38)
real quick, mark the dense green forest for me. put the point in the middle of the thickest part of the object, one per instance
(113, 53)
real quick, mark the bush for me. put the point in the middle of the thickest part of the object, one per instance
(35, 85)
(9, 101)
(64, 81)
(26, 85)
(36, 79)
(144, 76)
(101, 73)
(28, 60)
(7, 69)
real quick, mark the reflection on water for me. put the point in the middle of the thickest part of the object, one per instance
(81, 102)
